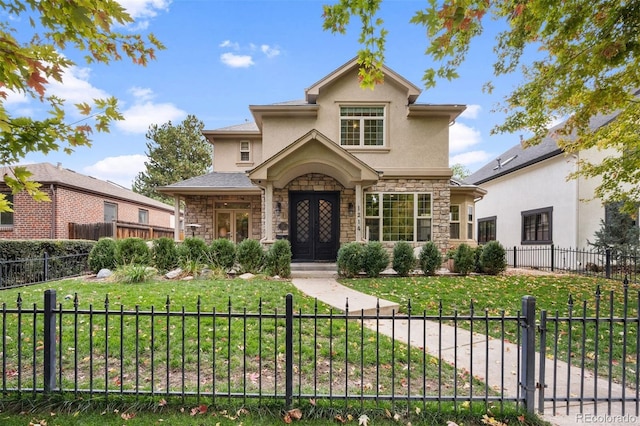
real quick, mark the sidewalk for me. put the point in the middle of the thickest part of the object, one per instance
(500, 370)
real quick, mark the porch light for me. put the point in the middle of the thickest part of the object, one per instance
(350, 209)
(278, 207)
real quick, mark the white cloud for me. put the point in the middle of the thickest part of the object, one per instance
(75, 86)
(236, 61)
(461, 137)
(230, 44)
(15, 98)
(269, 51)
(144, 8)
(471, 157)
(142, 94)
(141, 115)
(471, 112)
(121, 169)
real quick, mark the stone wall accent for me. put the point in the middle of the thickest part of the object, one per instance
(200, 209)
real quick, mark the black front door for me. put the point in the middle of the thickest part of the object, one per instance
(315, 225)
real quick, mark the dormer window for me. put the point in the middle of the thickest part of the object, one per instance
(245, 151)
(362, 126)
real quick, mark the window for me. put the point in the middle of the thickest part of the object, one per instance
(536, 226)
(110, 212)
(454, 222)
(398, 217)
(6, 218)
(143, 216)
(362, 126)
(486, 229)
(469, 222)
(245, 151)
(233, 220)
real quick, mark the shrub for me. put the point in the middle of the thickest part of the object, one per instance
(165, 253)
(404, 261)
(430, 258)
(375, 259)
(477, 258)
(464, 259)
(223, 254)
(103, 255)
(250, 256)
(132, 250)
(193, 249)
(350, 259)
(134, 273)
(278, 260)
(493, 258)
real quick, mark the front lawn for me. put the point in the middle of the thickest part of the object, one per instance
(497, 295)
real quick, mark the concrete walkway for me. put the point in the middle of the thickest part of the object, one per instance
(470, 353)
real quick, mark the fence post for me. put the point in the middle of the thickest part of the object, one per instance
(553, 258)
(45, 267)
(528, 364)
(49, 341)
(289, 351)
(542, 385)
(515, 256)
(607, 263)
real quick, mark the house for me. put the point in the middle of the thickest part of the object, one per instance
(343, 164)
(530, 201)
(75, 198)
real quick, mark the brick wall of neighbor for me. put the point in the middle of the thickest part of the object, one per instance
(200, 210)
(34, 220)
(317, 182)
(440, 193)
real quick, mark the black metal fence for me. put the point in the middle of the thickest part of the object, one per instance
(340, 359)
(15, 273)
(580, 261)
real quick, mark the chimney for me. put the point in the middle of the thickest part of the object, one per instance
(59, 166)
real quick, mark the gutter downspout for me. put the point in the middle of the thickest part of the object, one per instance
(54, 212)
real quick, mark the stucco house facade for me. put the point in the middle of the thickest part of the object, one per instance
(75, 198)
(531, 201)
(343, 164)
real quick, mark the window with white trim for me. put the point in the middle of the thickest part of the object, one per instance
(469, 222)
(398, 216)
(245, 151)
(454, 222)
(362, 126)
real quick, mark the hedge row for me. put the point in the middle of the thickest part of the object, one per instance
(35, 249)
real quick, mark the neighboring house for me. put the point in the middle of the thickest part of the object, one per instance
(75, 198)
(530, 201)
(344, 164)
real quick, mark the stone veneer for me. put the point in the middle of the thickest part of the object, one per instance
(200, 210)
(440, 199)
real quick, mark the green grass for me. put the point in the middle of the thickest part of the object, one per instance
(495, 295)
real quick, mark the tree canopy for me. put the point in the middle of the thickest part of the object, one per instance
(579, 59)
(175, 153)
(30, 61)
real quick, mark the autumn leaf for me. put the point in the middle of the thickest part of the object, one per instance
(295, 414)
(127, 416)
(363, 420)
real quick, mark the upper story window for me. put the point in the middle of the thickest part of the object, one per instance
(6, 218)
(537, 226)
(143, 216)
(398, 217)
(110, 212)
(245, 151)
(362, 126)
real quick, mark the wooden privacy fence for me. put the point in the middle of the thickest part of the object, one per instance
(118, 230)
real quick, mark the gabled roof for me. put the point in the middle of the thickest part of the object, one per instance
(212, 182)
(521, 156)
(312, 92)
(46, 174)
(314, 153)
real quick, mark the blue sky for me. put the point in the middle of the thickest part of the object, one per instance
(224, 55)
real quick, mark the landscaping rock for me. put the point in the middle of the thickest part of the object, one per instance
(187, 278)
(104, 273)
(247, 276)
(173, 274)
